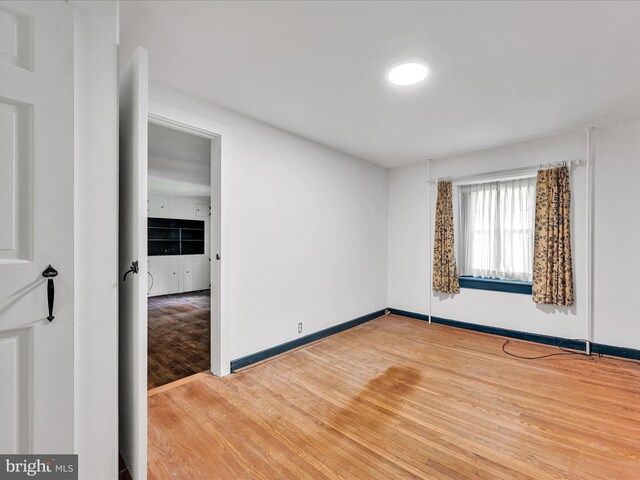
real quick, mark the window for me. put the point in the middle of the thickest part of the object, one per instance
(496, 229)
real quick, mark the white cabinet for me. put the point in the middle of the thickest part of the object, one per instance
(164, 275)
(152, 273)
(152, 206)
(202, 210)
(161, 205)
(186, 272)
(172, 273)
(178, 273)
(170, 206)
(204, 272)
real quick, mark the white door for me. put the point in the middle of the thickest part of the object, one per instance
(172, 265)
(152, 206)
(202, 275)
(161, 275)
(202, 210)
(187, 267)
(36, 227)
(133, 248)
(152, 276)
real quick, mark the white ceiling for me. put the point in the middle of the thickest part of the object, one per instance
(179, 163)
(500, 71)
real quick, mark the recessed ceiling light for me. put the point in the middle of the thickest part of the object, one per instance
(408, 73)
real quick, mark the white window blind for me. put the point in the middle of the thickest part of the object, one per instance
(496, 229)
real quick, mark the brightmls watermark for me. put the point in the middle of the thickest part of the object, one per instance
(49, 467)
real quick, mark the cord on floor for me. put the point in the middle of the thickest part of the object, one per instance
(563, 352)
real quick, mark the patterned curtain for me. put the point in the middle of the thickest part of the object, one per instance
(445, 274)
(552, 266)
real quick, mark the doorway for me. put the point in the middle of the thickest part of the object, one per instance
(179, 254)
(135, 118)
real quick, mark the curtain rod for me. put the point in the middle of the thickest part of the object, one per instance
(538, 166)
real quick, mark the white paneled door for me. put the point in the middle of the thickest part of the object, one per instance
(36, 227)
(133, 250)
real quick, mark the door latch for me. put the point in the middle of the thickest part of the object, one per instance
(132, 269)
(49, 273)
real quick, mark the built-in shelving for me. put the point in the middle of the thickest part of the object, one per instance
(174, 236)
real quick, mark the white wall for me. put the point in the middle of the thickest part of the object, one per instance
(96, 240)
(304, 228)
(617, 235)
(409, 239)
(615, 306)
(410, 256)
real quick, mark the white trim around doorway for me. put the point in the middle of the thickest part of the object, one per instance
(165, 116)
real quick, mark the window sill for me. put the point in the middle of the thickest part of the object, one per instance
(496, 285)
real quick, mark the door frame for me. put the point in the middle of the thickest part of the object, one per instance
(220, 361)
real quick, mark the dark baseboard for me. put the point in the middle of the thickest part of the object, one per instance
(597, 348)
(611, 350)
(517, 334)
(298, 342)
(405, 313)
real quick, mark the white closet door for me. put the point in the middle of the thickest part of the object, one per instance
(171, 207)
(160, 276)
(202, 210)
(153, 206)
(186, 207)
(186, 270)
(36, 227)
(205, 272)
(154, 277)
(195, 273)
(163, 206)
(173, 271)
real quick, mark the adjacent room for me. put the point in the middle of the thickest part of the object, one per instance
(179, 255)
(321, 239)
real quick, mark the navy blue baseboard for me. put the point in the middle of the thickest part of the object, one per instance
(298, 342)
(405, 313)
(614, 351)
(597, 348)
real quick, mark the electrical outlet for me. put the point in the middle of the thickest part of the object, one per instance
(300, 327)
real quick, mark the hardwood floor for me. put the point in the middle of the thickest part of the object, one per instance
(179, 339)
(397, 398)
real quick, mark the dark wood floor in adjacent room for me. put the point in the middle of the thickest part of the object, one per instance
(397, 398)
(178, 337)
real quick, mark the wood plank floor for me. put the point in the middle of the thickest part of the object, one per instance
(397, 398)
(179, 339)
